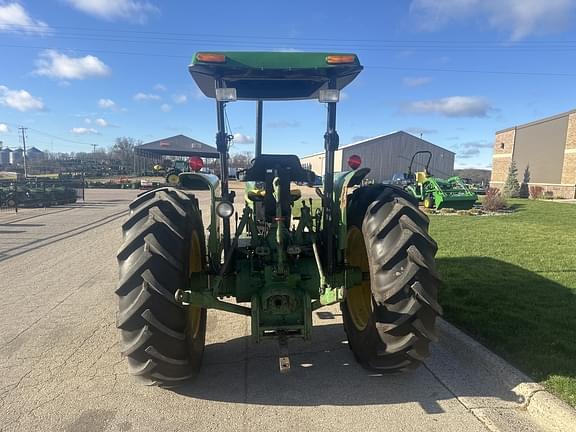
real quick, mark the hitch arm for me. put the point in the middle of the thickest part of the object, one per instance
(192, 298)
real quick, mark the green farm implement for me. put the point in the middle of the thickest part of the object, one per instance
(438, 193)
(180, 166)
(366, 247)
(38, 193)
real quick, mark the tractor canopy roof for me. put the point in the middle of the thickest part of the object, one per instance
(273, 75)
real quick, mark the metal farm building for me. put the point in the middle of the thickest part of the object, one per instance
(386, 155)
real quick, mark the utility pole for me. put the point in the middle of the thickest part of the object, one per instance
(23, 131)
(94, 148)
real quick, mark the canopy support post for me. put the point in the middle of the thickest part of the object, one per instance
(222, 140)
(258, 144)
(331, 143)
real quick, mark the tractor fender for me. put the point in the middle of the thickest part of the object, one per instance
(199, 182)
(346, 179)
(343, 181)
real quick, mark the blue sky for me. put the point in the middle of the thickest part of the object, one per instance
(81, 72)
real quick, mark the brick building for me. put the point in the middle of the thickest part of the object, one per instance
(546, 148)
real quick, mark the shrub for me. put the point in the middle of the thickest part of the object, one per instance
(536, 192)
(493, 200)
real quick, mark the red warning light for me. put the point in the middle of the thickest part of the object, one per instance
(195, 163)
(354, 161)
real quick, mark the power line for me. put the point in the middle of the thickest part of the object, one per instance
(340, 46)
(475, 71)
(97, 51)
(368, 66)
(61, 138)
(134, 36)
(107, 31)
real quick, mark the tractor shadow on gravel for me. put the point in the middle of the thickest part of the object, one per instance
(324, 372)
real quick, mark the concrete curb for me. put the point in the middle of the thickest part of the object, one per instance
(548, 411)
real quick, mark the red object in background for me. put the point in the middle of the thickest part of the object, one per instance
(195, 163)
(354, 161)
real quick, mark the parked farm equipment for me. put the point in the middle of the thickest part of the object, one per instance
(39, 193)
(193, 163)
(366, 247)
(437, 193)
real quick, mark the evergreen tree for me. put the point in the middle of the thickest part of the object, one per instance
(512, 186)
(524, 190)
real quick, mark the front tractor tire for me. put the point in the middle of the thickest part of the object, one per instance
(389, 318)
(172, 177)
(163, 244)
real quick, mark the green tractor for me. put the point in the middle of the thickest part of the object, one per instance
(366, 247)
(438, 193)
(180, 166)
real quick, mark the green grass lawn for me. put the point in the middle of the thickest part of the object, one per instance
(510, 282)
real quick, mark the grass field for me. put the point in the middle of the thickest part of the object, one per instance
(510, 282)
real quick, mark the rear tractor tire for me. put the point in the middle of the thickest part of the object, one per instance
(390, 317)
(163, 244)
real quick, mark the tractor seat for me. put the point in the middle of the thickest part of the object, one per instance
(286, 165)
(421, 177)
(257, 195)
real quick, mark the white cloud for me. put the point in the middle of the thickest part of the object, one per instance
(471, 149)
(180, 98)
(416, 81)
(356, 138)
(111, 10)
(243, 139)
(420, 131)
(160, 87)
(166, 107)
(84, 131)
(54, 64)
(283, 124)
(139, 97)
(286, 49)
(106, 104)
(519, 18)
(477, 144)
(98, 121)
(4, 128)
(20, 100)
(454, 106)
(14, 18)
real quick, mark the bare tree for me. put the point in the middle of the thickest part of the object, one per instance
(241, 160)
(123, 150)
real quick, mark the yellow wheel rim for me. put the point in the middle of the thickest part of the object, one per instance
(359, 297)
(427, 203)
(173, 179)
(194, 266)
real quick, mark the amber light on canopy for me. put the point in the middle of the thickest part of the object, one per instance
(195, 163)
(211, 58)
(340, 59)
(354, 161)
